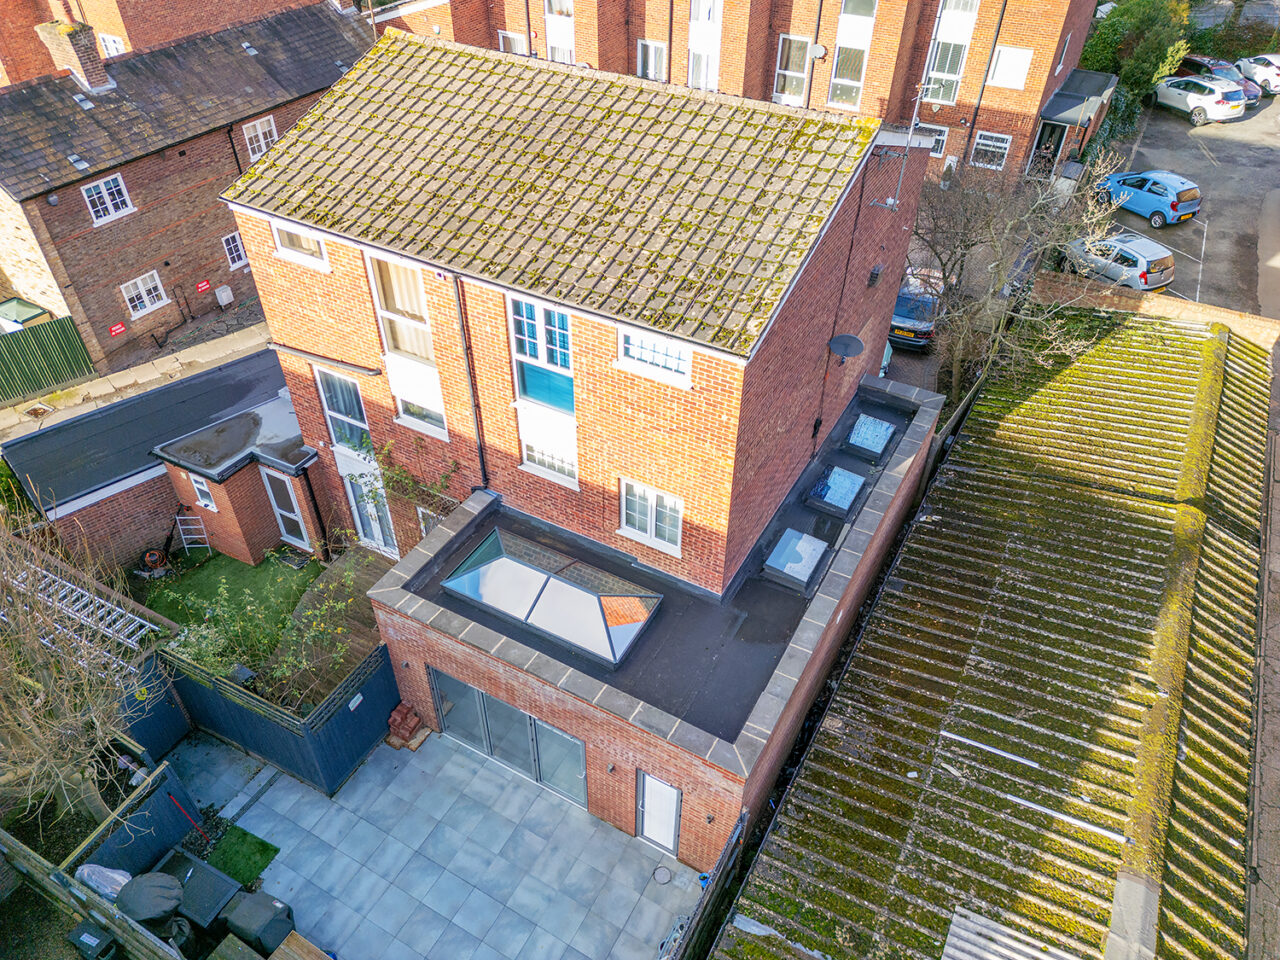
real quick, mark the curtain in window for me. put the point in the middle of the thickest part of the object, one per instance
(400, 290)
(342, 397)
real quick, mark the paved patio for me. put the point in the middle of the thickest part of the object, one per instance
(447, 854)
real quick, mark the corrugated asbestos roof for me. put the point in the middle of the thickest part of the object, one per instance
(169, 95)
(1072, 619)
(687, 211)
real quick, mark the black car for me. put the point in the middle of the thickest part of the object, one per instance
(914, 315)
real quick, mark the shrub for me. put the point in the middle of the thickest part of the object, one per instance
(1120, 123)
(1233, 41)
(1140, 41)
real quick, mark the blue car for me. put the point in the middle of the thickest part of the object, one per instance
(1160, 196)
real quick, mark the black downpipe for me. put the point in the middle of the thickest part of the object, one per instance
(471, 380)
(231, 139)
(315, 505)
(973, 123)
(671, 16)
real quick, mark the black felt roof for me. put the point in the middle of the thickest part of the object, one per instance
(67, 460)
(169, 95)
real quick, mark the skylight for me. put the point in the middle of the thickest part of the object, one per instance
(870, 436)
(835, 491)
(594, 611)
(794, 558)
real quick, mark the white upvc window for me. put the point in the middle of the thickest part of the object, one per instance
(650, 516)
(107, 199)
(402, 307)
(559, 20)
(846, 77)
(939, 135)
(419, 399)
(509, 42)
(428, 519)
(204, 496)
(651, 59)
(548, 443)
(259, 136)
(792, 70)
(234, 250)
(960, 6)
(540, 350)
(704, 11)
(703, 70)
(947, 67)
(1009, 67)
(990, 150)
(651, 355)
(704, 44)
(111, 46)
(344, 411)
(854, 29)
(144, 294)
(299, 245)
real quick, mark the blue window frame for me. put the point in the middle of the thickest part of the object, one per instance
(542, 363)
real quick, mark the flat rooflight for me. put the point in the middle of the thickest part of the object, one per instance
(835, 491)
(794, 558)
(584, 606)
(870, 436)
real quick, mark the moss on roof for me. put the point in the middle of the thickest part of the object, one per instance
(688, 211)
(1060, 689)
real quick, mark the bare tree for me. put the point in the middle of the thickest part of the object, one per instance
(979, 237)
(67, 652)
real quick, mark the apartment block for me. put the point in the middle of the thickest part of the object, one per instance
(637, 328)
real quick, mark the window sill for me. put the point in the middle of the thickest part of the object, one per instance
(319, 266)
(650, 372)
(238, 266)
(944, 103)
(420, 426)
(660, 545)
(119, 215)
(151, 309)
(844, 107)
(985, 166)
(537, 406)
(208, 507)
(559, 478)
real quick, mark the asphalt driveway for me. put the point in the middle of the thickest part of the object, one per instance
(1237, 166)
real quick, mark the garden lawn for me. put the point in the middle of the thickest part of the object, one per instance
(272, 584)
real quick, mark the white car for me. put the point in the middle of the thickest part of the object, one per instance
(1264, 70)
(1201, 98)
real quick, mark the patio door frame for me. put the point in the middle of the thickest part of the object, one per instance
(364, 471)
(305, 542)
(438, 703)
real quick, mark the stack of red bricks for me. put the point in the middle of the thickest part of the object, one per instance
(406, 728)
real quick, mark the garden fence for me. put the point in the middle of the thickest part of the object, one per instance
(703, 927)
(39, 358)
(155, 817)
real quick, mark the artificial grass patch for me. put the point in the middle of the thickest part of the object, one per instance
(241, 855)
(272, 584)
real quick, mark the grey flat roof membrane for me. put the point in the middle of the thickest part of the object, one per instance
(1079, 98)
(64, 461)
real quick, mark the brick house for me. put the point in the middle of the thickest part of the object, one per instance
(990, 70)
(627, 315)
(221, 448)
(110, 172)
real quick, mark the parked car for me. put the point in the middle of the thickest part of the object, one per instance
(1160, 196)
(1129, 259)
(914, 315)
(1196, 65)
(1201, 98)
(1264, 70)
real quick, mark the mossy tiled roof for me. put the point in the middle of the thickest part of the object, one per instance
(1054, 688)
(687, 211)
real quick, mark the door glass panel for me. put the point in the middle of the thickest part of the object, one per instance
(562, 761)
(509, 735)
(292, 528)
(659, 811)
(460, 710)
(280, 494)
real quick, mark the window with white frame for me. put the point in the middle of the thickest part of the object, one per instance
(704, 11)
(402, 308)
(703, 70)
(1062, 54)
(111, 46)
(259, 136)
(651, 59)
(344, 410)
(509, 42)
(204, 496)
(428, 519)
(793, 69)
(418, 395)
(300, 247)
(943, 82)
(960, 6)
(858, 8)
(1009, 67)
(654, 356)
(107, 199)
(549, 443)
(704, 44)
(559, 23)
(144, 294)
(990, 150)
(234, 250)
(559, 8)
(540, 343)
(846, 77)
(650, 516)
(939, 135)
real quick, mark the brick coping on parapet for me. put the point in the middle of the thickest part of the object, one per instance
(739, 757)
(92, 394)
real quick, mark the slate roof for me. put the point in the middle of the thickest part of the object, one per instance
(642, 201)
(66, 460)
(169, 95)
(1053, 693)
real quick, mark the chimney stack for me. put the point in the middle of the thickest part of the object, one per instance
(74, 47)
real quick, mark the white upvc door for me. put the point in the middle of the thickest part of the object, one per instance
(560, 44)
(704, 44)
(367, 499)
(658, 812)
(285, 506)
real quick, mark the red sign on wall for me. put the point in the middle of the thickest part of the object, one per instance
(117, 329)
(202, 286)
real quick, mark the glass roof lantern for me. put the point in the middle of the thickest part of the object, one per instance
(593, 611)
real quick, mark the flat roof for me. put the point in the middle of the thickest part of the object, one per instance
(268, 433)
(641, 201)
(64, 461)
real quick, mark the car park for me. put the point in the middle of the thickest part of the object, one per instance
(1197, 65)
(914, 316)
(1201, 98)
(1128, 259)
(1159, 195)
(1264, 70)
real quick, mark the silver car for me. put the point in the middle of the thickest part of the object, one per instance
(1127, 259)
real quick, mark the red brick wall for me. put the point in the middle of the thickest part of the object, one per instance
(176, 229)
(22, 55)
(117, 530)
(241, 524)
(707, 791)
(146, 23)
(793, 361)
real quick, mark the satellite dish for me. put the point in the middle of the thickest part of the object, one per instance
(845, 345)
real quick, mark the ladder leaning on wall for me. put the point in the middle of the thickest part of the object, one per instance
(192, 532)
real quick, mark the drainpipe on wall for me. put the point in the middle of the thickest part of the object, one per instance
(528, 30)
(813, 62)
(315, 505)
(465, 333)
(671, 17)
(995, 39)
